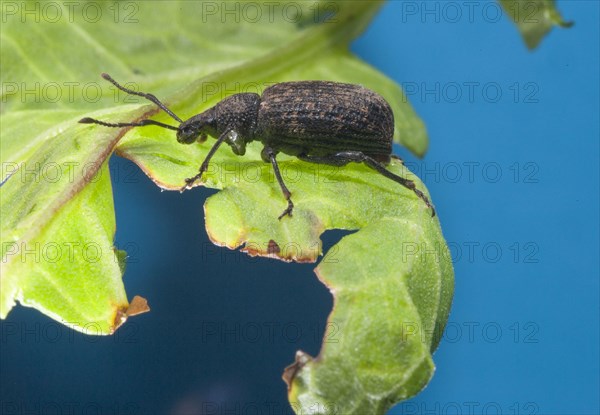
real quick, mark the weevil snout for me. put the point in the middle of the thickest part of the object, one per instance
(197, 128)
(189, 134)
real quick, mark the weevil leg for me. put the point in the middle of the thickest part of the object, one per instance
(204, 166)
(344, 157)
(268, 154)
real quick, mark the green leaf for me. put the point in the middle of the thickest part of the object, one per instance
(191, 56)
(393, 287)
(70, 273)
(534, 18)
(392, 280)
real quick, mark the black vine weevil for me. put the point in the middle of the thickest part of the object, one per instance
(316, 121)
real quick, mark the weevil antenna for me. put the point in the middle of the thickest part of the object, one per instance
(149, 97)
(142, 123)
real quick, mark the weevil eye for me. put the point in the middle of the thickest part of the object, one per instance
(203, 137)
(187, 135)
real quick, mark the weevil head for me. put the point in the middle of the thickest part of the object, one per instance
(238, 112)
(197, 128)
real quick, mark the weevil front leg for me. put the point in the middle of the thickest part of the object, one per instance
(269, 155)
(344, 157)
(227, 135)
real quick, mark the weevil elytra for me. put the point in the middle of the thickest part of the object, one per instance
(316, 121)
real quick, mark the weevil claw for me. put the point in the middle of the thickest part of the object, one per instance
(189, 182)
(287, 211)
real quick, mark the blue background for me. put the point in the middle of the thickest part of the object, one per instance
(515, 182)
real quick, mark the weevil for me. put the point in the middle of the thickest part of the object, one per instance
(316, 121)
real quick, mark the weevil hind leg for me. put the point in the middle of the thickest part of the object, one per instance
(344, 157)
(270, 156)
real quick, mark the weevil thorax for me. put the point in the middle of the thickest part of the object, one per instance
(238, 113)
